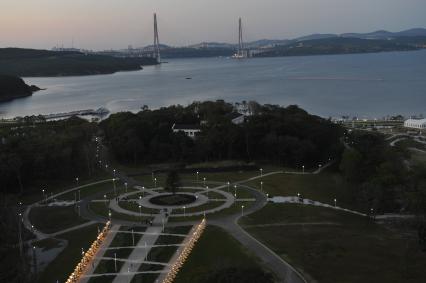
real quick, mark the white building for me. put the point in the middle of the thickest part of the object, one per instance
(415, 124)
(189, 130)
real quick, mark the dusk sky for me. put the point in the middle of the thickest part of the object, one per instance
(105, 24)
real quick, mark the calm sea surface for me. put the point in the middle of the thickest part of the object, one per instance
(366, 85)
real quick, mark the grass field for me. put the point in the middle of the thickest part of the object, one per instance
(215, 249)
(106, 188)
(51, 219)
(324, 187)
(332, 246)
(101, 209)
(60, 268)
(57, 186)
(133, 206)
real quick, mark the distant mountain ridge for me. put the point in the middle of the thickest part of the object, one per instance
(379, 34)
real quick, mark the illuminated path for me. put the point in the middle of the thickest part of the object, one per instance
(100, 253)
(139, 256)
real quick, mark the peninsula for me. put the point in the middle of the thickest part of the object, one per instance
(12, 87)
(43, 63)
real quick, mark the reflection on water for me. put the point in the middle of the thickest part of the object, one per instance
(366, 85)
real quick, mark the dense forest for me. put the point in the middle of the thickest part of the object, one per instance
(12, 87)
(286, 136)
(45, 151)
(35, 63)
(383, 178)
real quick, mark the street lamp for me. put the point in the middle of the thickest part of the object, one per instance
(133, 238)
(298, 197)
(113, 172)
(109, 215)
(335, 202)
(105, 200)
(155, 182)
(143, 191)
(261, 186)
(303, 169)
(228, 186)
(204, 181)
(115, 262)
(76, 179)
(197, 175)
(261, 172)
(242, 210)
(125, 185)
(140, 212)
(115, 189)
(44, 196)
(235, 191)
(184, 214)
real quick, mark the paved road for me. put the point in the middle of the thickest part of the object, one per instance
(284, 271)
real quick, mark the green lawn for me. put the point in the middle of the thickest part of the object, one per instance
(345, 248)
(324, 187)
(204, 207)
(62, 266)
(233, 209)
(101, 209)
(215, 249)
(88, 191)
(53, 219)
(34, 193)
(406, 143)
(133, 206)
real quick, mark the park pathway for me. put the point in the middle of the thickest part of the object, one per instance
(139, 255)
(100, 253)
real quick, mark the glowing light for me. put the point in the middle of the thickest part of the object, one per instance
(89, 256)
(185, 252)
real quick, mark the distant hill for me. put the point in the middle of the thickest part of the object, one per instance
(34, 63)
(12, 87)
(345, 45)
(383, 34)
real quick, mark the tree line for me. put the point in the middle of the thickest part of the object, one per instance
(282, 135)
(55, 150)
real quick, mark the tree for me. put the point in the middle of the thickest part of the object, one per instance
(172, 181)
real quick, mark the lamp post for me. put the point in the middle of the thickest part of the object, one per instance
(303, 169)
(184, 214)
(204, 181)
(115, 262)
(155, 182)
(115, 189)
(228, 186)
(197, 176)
(133, 238)
(207, 188)
(44, 196)
(335, 202)
(235, 191)
(109, 215)
(143, 191)
(79, 195)
(113, 172)
(319, 166)
(140, 212)
(261, 186)
(261, 172)
(242, 210)
(76, 180)
(125, 185)
(298, 197)
(105, 200)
